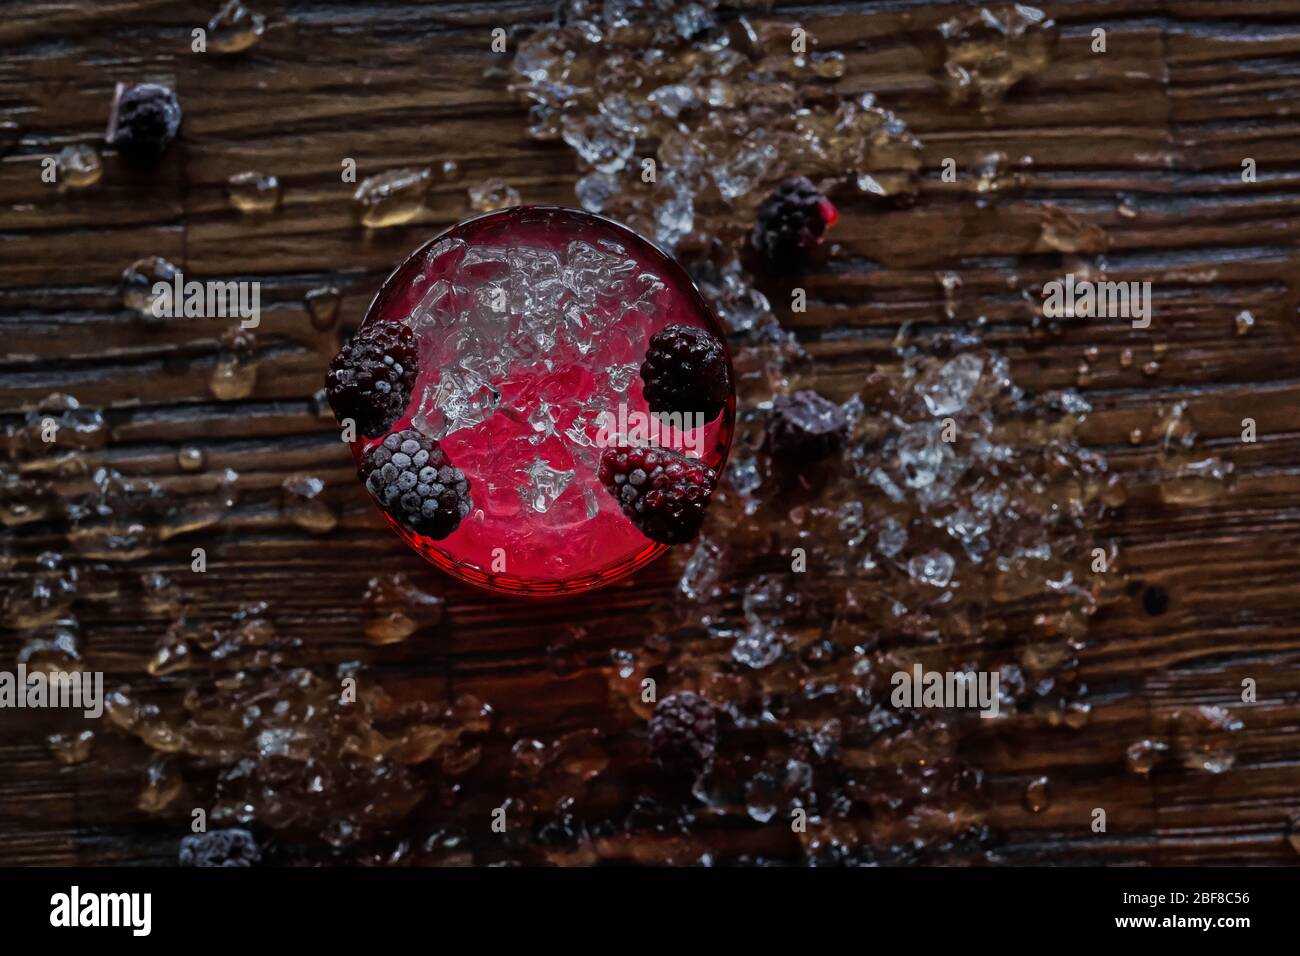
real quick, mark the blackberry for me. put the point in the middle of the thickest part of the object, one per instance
(232, 847)
(412, 480)
(370, 380)
(683, 731)
(664, 493)
(805, 427)
(145, 119)
(686, 371)
(791, 221)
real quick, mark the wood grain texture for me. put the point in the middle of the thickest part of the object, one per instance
(1166, 116)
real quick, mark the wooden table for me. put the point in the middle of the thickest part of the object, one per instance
(1184, 93)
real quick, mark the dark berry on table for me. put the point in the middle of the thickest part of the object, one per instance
(371, 378)
(412, 480)
(805, 427)
(665, 494)
(145, 119)
(791, 221)
(683, 731)
(232, 847)
(686, 371)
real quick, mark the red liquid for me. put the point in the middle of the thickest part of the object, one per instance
(533, 323)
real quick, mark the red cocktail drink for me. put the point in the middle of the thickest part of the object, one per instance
(531, 325)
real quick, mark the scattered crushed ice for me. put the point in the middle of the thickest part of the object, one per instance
(933, 568)
(951, 389)
(492, 194)
(730, 109)
(991, 49)
(391, 198)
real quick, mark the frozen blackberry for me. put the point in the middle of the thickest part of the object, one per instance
(232, 847)
(686, 371)
(791, 221)
(683, 731)
(370, 380)
(664, 493)
(805, 427)
(411, 478)
(144, 120)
